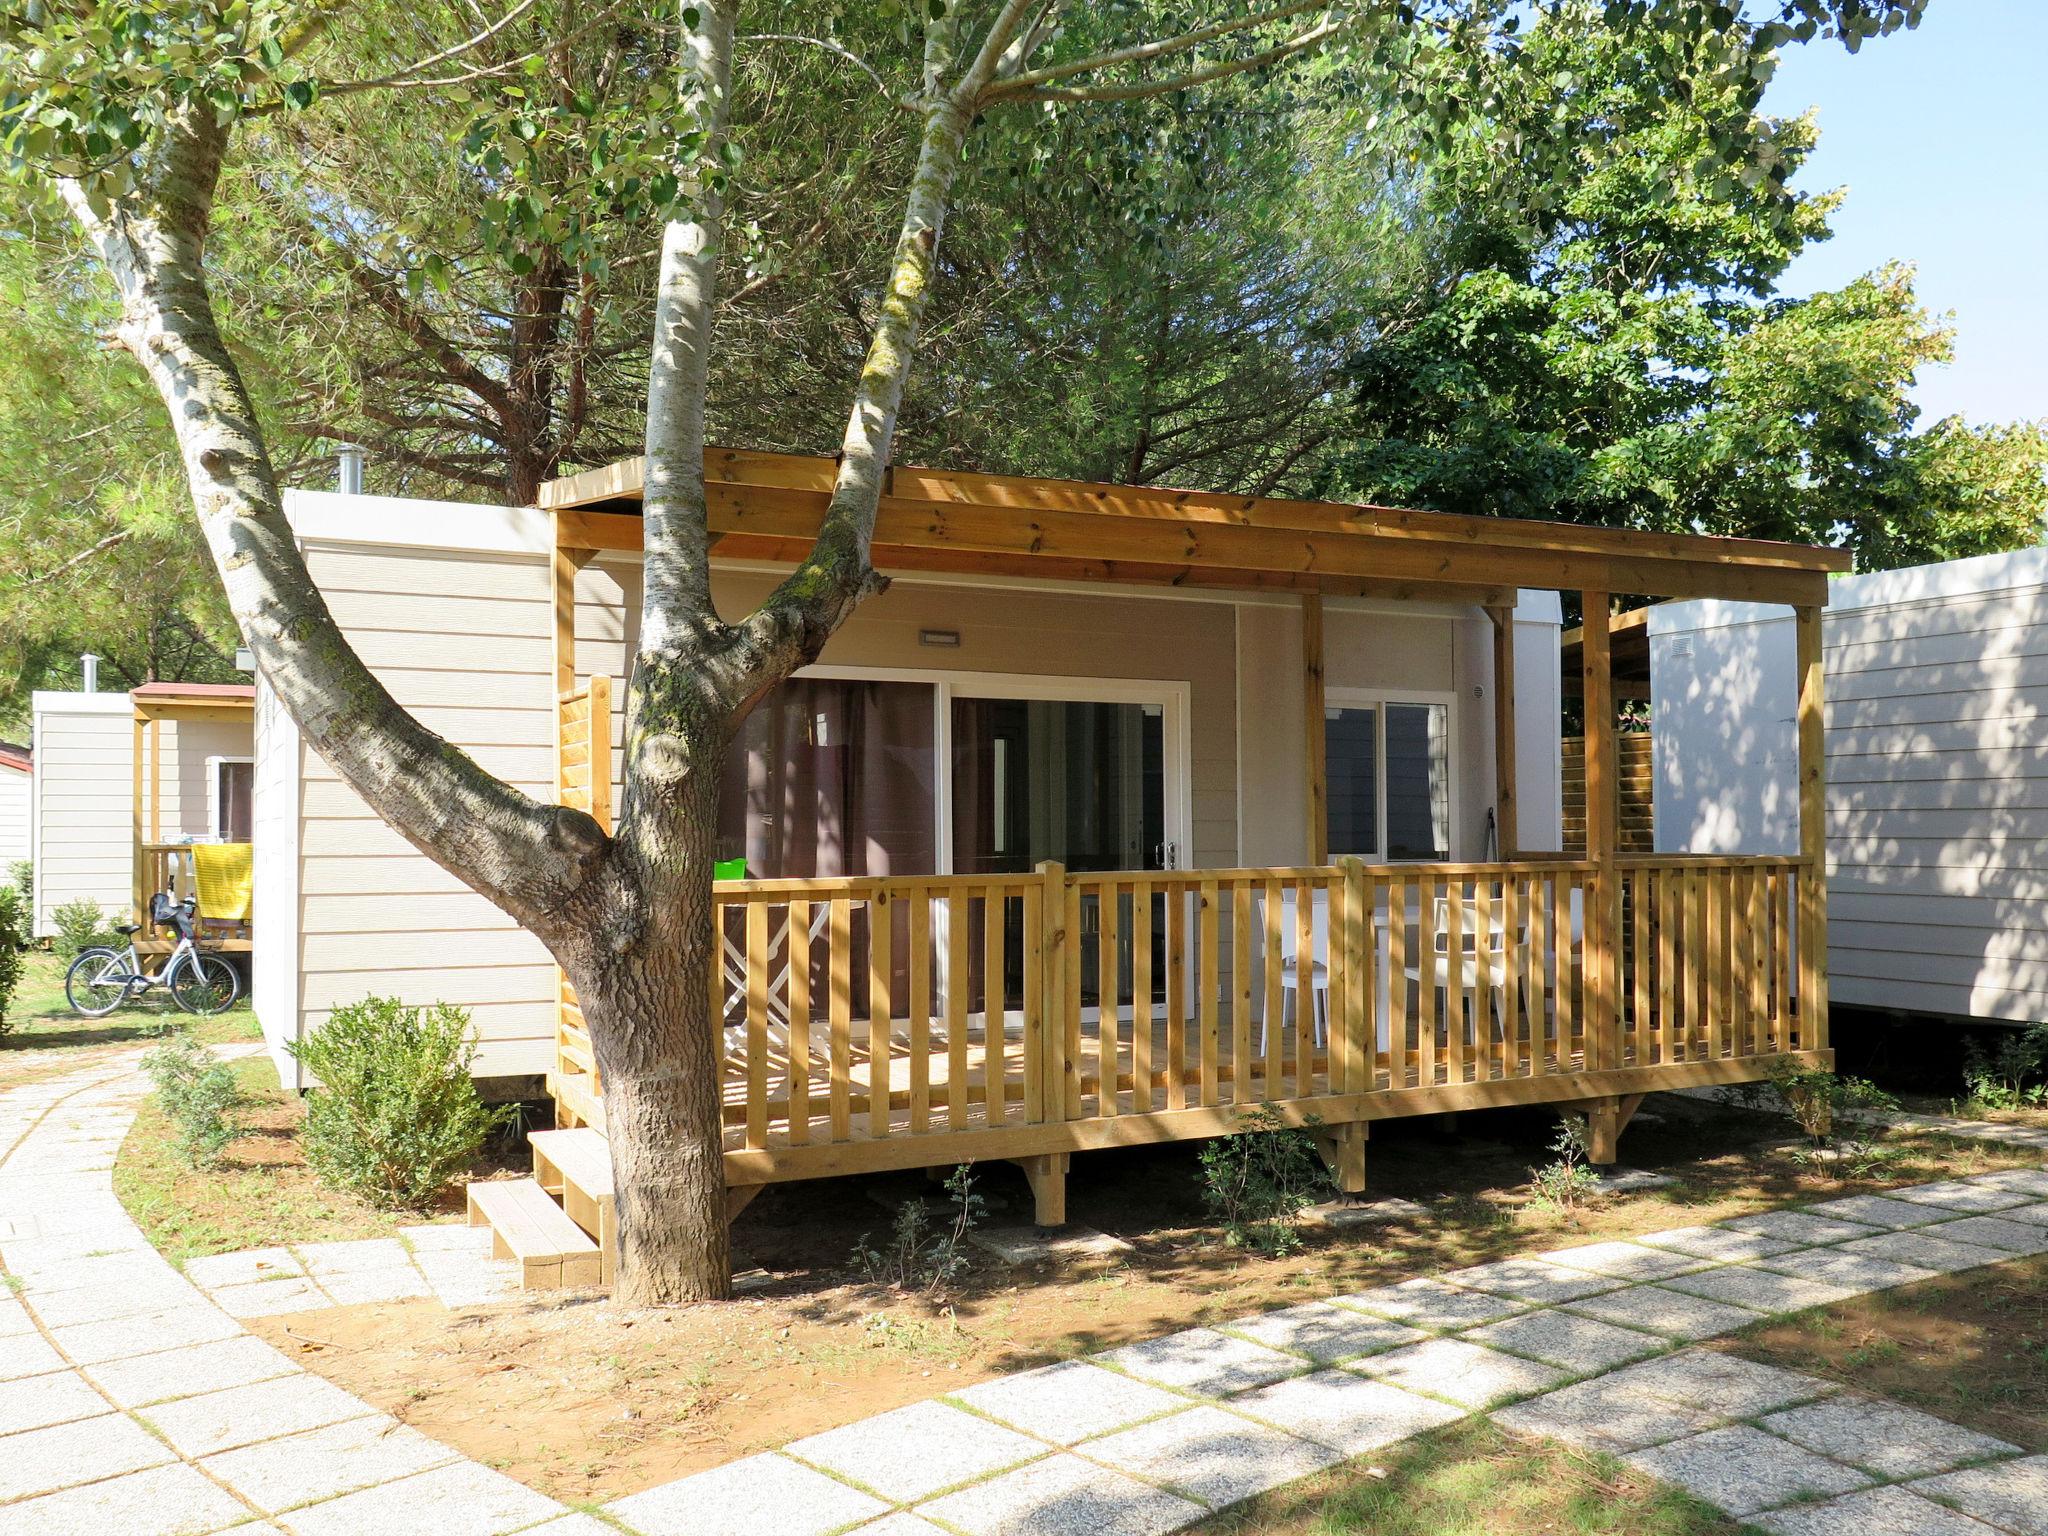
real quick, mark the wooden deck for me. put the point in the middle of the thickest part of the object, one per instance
(1158, 1006)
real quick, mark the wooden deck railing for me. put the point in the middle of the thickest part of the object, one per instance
(1125, 1005)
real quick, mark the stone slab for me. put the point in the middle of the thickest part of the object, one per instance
(1347, 1215)
(1532, 1280)
(1578, 1345)
(463, 1499)
(1760, 1290)
(1062, 1496)
(323, 1259)
(1962, 1195)
(1625, 1261)
(243, 1268)
(199, 1323)
(1346, 1412)
(188, 1372)
(1924, 1250)
(2010, 1494)
(1859, 1271)
(1883, 1438)
(27, 1354)
(742, 1498)
(163, 1501)
(1800, 1227)
(915, 1452)
(1674, 1314)
(35, 1402)
(1071, 1401)
(1745, 1471)
(1463, 1373)
(1325, 1333)
(1203, 1361)
(83, 1451)
(1873, 1512)
(270, 1298)
(1018, 1246)
(1206, 1454)
(1879, 1211)
(1429, 1303)
(2031, 1182)
(2015, 1237)
(1719, 1243)
(358, 1287)
(1604, 1415)
(1722, 1384)
(220, 1421)
(1633, 1181)
(315, 1464)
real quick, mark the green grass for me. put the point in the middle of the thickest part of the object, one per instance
(1471, 1479)
(259, 1194)
(43, 1020)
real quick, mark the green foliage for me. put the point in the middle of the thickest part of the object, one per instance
(21, 875)
(199, 1096)
(2009, 1075)
(1259, 1179)
(396, 1116)
(14, 926)
(1567, 1181)
(81, 924)
(1814, 1099)
(919, 1257)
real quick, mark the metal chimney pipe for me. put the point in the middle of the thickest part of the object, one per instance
(89, 667)
(348, 469)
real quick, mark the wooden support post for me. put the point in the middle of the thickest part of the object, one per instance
(1813, 838)
(1603, 1131)
(1343, 1151)
(1057, 951)
(1047, 1175)
(1601, 961)
(600, 729)
(1507, 827)
(1314, 748)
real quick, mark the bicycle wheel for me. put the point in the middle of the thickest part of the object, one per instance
(98, 982)
(205, 984)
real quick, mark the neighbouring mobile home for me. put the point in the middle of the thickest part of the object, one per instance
(17, 796)
(126, 783)
(1937, 772)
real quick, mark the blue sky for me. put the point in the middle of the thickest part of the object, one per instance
(1941, 135)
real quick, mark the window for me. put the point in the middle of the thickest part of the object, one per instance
(1387, 769)
(231, 793)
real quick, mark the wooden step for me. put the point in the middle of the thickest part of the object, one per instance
(527, 1226)
(576, 1168)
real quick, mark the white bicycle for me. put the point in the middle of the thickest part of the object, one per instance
(101, 979)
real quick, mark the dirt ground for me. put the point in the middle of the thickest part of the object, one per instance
(1970, 1348)
(587, 1403)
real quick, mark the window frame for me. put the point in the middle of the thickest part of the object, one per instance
(1377, 700)
(216, 802)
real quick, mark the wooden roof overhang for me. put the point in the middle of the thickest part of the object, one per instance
(193, 701)
(768, 507)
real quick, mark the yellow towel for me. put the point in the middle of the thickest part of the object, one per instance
(226, 873)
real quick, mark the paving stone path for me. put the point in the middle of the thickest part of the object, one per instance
(132, 1402)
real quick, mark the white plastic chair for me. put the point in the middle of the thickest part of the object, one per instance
(1290, 970)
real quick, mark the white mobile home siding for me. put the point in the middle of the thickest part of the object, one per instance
(1937, 764)
(83, 802)
(17, 792)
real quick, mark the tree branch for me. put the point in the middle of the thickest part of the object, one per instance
(1141, 52)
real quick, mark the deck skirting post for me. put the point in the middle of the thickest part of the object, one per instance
(1813, 843)
(1601, 962)
(1047, 1176)
(1343, 1151)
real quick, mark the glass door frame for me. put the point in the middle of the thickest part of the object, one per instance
(1170, 698)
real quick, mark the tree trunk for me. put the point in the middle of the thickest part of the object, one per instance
(643, 974)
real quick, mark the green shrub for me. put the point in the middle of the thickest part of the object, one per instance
(198, 1095)
(1813, 1099)
(80, 925)
(2007, 1077)
(919, 1257)
(1567, 1181)
(13, 936)
(1256, 1181)
(22, 876)
(396, 1116)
